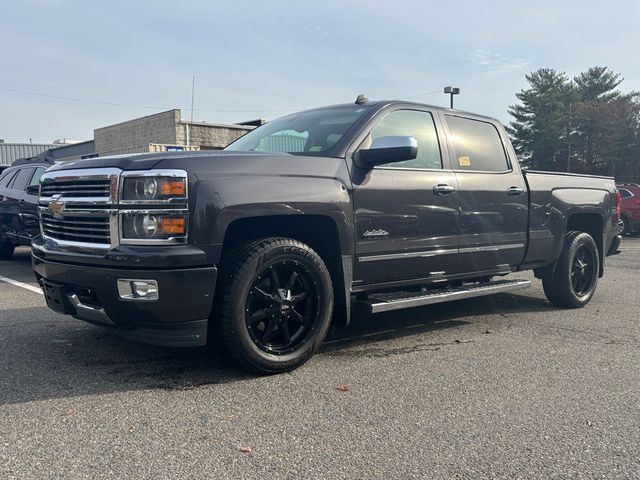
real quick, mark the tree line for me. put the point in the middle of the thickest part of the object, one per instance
(584, 125)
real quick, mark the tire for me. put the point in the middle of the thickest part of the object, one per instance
(574, 279)
(274, 306)
(6, 250)
(625, 226)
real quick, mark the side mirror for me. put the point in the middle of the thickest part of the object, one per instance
(33, 189)
(387, 150)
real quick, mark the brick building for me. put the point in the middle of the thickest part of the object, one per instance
(165, 130)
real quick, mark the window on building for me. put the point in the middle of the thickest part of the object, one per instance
(477, 145)
(410, 123)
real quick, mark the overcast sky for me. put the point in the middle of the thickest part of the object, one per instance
(262, 59)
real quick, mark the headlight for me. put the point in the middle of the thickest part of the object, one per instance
(154, 189)
(153, 227)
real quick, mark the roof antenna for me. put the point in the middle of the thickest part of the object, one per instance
(361, 100)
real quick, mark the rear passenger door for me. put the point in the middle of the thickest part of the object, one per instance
(492, 196)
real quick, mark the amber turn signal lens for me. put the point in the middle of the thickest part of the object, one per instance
(172, 226)
(172, 188)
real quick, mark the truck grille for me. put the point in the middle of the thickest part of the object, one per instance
(79, 207)
(77, 188)
(87, 227)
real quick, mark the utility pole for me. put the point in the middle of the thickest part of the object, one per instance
(193, 88)
(569, 140)
(452, 91)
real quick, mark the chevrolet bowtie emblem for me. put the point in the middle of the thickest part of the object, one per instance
(56, 206)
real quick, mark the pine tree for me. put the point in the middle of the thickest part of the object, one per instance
(539, 129)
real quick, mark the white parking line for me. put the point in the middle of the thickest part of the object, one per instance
(26, 286)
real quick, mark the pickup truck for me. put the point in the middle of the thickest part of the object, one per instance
(368, 207)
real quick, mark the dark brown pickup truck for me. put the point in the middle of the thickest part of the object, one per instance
(373, 206)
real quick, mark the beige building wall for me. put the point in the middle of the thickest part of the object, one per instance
(208, 134)
(135, 135)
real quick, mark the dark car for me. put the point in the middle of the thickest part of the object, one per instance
(19, 205)
(630, 216)
(374, 205)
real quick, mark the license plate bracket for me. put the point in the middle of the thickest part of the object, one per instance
(54, 296)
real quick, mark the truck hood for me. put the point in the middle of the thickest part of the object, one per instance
(217, 162)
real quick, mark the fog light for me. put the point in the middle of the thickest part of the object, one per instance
(142, 290)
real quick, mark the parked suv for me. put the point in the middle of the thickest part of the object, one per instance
(19, 205)
(630, 215)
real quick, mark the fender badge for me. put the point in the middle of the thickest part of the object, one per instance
(375, 233)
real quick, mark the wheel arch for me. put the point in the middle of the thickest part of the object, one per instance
(321, 232)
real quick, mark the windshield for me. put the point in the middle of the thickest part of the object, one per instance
(313, 132)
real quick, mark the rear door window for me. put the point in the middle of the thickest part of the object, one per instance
(22, 178)
(6, 179)
(477, 145)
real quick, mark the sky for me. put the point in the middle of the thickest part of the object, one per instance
(90, 63)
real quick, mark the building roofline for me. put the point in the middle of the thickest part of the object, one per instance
(137, 118)
(219, 125)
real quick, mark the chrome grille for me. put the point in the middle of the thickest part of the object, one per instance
(79, 207)
(77, 188)
(77, 226)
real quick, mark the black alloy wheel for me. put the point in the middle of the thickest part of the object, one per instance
(273, 306)
(572, 281)
(282, 307)
(583, 270)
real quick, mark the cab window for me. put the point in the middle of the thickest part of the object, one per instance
(477, 145)
(410, 123)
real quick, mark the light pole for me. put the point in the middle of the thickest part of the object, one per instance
(452, 91)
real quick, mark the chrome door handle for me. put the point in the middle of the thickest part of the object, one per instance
(443, 189)
(515, 191)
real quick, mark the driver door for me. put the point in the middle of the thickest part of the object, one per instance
(405, 229)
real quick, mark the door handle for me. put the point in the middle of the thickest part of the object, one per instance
(443, 189)
(515, 191)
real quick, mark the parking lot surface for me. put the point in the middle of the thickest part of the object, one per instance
(505, 386)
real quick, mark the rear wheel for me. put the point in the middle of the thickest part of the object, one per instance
(624, 226)
(575, 277)
(6, 250)
(276, 304)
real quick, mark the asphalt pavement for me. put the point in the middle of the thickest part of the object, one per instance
(498, 387)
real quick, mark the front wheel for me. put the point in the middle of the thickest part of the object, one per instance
(276, 304)
(575, 277)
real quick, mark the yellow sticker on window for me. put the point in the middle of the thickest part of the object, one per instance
(464, 161)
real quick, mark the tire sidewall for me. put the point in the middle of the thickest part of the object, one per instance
(579, 240)
(242, 284)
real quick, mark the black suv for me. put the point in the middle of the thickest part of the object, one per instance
(19, 205)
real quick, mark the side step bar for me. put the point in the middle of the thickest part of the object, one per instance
(385, 302)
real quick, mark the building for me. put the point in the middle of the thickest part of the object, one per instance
(165, 131)
(9, 152)
(160, 132)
